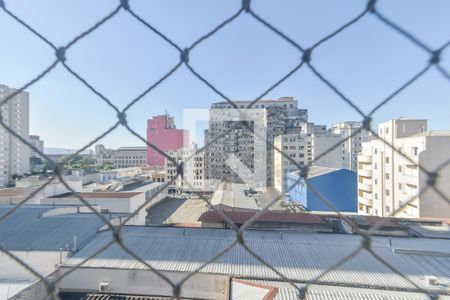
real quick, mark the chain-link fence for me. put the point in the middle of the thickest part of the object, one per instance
(307, 61)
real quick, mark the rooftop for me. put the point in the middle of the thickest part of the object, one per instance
(299, 256)
(233, 195)
(41, 227)
(99, 195)
(281, 99)
(317, 171)
(433, 133)
(239, 217)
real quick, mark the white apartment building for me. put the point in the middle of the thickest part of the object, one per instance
(304, 149)
(353, 142)
(193, 169)
(388, 180)
(14, 155)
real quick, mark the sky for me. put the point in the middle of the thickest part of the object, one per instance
(367, 62)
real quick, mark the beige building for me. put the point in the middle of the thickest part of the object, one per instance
(123, 157)
(304, 149)
(193, 169)
(388, 180)
(352, 142)
(14, 155)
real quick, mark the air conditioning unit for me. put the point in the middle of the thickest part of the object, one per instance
(103, 286)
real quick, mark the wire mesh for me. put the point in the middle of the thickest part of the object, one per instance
(306, 54)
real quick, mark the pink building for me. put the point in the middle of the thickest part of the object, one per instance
(162, 133)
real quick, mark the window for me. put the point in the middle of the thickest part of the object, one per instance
(400, 168)
(387, 176)
(400, 186)
(375, 166)
(376, 181)
(414, 151)
(387, 130)
(376, 196)
(387, 160)
(388, 192)
(388, 209)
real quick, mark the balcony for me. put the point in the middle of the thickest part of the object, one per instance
(365, 201)
(364, 159)
(365, 173)
(365, 187)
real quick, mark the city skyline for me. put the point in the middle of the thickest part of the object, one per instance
(370, 49)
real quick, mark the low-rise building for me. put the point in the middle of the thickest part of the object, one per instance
(41, 237)
(300, 257)
(105, 202)
(29, 186)
(123, 157)
(393, 183)
(338, 186)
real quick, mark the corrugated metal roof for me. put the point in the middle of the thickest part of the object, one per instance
(299, 256)
(98, 195)
(239, 217)
(29, 229)
(322, 292)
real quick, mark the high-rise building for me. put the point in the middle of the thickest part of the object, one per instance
(308, 148)
(14, 155)
(281, 116)
(387, 180)
(38, 144)
(162, 133)
(352, 142)
(193, 169)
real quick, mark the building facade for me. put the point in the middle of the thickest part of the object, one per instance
(38, 144)
(193, 178)
(353, 136)
(123, 157)
(281, 116)
(163, 134)
(387, 180)
(14, 155)
(305, 149)
(126, 157)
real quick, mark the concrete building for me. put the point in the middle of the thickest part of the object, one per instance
(106, 202)
(352, 142)
(42, 237)
(28, 186)
(123, 157)
(162, 133)
(37, 143)
(282, 116)
(338, 186)
(387, 180)
(126, 157)
(14, 155)
(193, 169)
(305, 149)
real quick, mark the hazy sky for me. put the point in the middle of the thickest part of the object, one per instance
(367, 62)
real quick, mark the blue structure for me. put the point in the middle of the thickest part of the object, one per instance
(339, 186)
